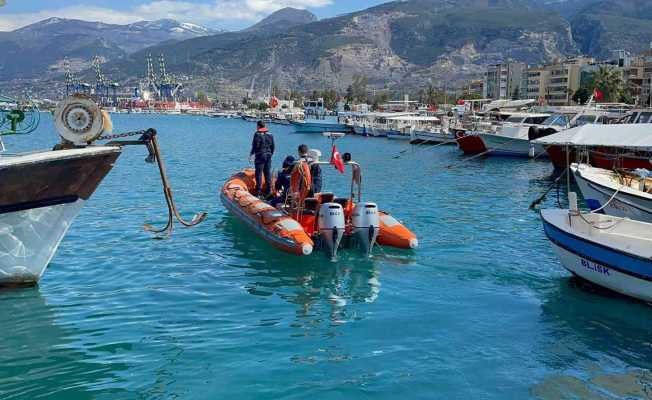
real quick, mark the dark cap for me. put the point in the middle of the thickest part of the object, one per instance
(260, 124)
(289, 161)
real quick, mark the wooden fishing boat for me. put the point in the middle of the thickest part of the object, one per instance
(43, 191)
(321, 221)
(619, 193)
(609, 251)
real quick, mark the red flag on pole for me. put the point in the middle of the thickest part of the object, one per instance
(336, 160)
(598, 95)
(273, 102)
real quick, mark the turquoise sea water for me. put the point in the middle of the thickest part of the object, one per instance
(483, 310)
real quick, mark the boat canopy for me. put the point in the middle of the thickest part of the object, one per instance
(617, 135)
(500, 104)
(415, 118)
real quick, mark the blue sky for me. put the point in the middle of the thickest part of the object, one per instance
(227, 14)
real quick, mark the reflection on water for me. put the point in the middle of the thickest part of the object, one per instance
(41, 358)
(631, 385)
(602, 334)
(314, 283)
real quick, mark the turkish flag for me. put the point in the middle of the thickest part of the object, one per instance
(336, 160)
(598, 95)
(273, 102)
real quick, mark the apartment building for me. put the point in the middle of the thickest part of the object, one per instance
(555, 83)
(638, 76)
(503, 81)
(533, 86)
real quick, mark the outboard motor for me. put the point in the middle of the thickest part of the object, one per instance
(331, 227)
(366, 225)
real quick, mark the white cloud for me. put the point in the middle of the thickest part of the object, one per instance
(214, 13)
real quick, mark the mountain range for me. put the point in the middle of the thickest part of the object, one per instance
(40, 48)
(398, 44)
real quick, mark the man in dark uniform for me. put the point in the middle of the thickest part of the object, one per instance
(262, 149)
(282, 185)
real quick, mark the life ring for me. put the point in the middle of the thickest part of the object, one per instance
(300, 181)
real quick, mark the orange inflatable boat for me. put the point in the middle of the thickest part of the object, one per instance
(275, 226)
(321, 221)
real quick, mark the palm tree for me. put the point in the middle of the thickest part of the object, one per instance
(610, 82)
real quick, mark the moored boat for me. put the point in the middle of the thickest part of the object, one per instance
(609, 251)
(43, 191)
(469, 142)
(512, 138)
(606, 146)
(320, 126)
(622, 193)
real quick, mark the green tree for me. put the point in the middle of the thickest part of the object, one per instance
(357, 91)
(380, 98)
(349, 96)
(432, 97)
(330, 98)
(581, 95)
(203, 99)
(610, 82)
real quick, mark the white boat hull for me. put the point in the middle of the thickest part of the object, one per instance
(604, 276)
(510, 146)
(433, 137)
(30, 238)
(612, 252)
(623, 205)
(398, 136)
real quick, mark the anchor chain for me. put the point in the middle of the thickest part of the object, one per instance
(148, 138)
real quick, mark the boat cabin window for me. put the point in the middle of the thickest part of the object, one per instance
(585, 119)
(515, 119)
(644, 118)
(557, 120)
(535, 120)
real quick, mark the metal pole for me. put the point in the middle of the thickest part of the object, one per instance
(568, 169)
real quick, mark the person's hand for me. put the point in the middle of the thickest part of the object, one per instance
(251, 159)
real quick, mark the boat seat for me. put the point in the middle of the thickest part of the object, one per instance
(311, 204)
(327, 197)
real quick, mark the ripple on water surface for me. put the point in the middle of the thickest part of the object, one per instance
(482, 310)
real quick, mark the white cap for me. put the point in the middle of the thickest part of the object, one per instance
(314, 154)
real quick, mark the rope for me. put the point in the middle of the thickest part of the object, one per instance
(594, 223)
(432, 146)
(543, 196)
(483, 153)
(610, 200)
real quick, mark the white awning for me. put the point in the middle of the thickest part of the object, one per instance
(498, 104)
(415, 118)
(622, 135)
